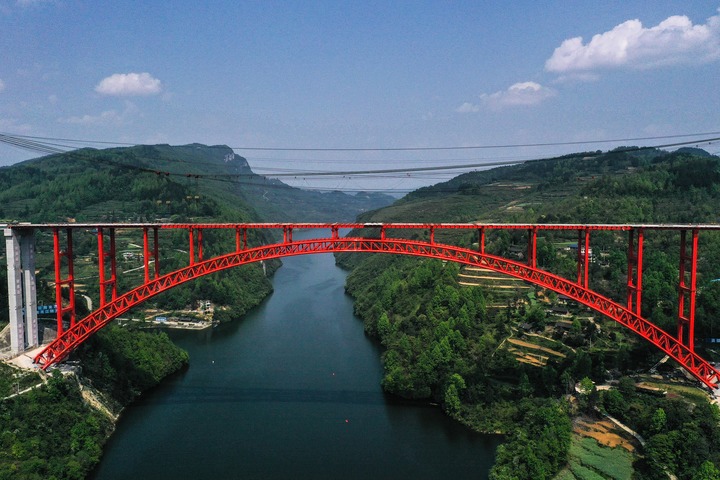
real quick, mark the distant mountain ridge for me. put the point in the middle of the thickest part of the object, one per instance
(628, 184)
(159, 181)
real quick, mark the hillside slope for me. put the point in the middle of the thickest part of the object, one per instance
(159, 181)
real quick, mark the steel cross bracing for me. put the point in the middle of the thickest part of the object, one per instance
(680, 347)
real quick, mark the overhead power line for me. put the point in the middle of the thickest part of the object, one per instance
(33, 144)
(396, 149)
(471, 147)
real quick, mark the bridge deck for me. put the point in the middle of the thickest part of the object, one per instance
(310, 225)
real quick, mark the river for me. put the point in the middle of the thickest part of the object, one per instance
(292, 391)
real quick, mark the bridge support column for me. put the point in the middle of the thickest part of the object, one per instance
(687, 290)
(155, 254)
(532, 248)
(22, 300)
(481, 240)
(191, 232)
(60, 282)
(238, 237)
(102, 254)
(583, 258)
(634, 272)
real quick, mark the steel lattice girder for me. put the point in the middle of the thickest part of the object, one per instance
(70, 339)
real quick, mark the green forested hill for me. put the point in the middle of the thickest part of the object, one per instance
(507, 368)
(642, 185)
(161, 181)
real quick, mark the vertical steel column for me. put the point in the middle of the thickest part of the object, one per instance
(200, 245)
(686, 311)
(113, 265)
(634, 273)
(59, 281)
(101, 265)
(146, 254)
(287, 234)
(102, 254)
(58, 285)
(583, 257)
(238, 236)
(192, 246)
(532, 247)
(481, 240)
(71, 277)
(432, 235)
(156, 251)
(334, 232)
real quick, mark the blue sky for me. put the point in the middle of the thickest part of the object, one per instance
(332, 74)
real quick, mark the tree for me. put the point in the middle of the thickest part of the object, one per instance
(660, 453)
(659, 421)
(524, 386)
(456, 386)
(614, 403)
(582, 366)
(626, 386)
(707, 471)
(384, 327)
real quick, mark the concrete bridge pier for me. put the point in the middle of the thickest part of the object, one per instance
(22, 298)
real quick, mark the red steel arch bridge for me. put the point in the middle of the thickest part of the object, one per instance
(391, 238)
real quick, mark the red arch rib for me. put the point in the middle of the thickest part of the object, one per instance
(73, 337)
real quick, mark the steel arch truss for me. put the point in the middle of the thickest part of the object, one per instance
(75, 335)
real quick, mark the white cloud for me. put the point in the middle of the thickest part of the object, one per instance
(129, 84)
(468, 107)
(108, 117)
(518, 94)
(576, 77)
(675, 40)
(2, 85)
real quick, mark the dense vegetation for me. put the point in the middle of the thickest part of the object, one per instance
(123, 363)
(51, 432)
(441, 344)
(160, 181)
(682, 437)
(444, 343)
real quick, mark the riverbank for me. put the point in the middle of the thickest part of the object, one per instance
(169, 323)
